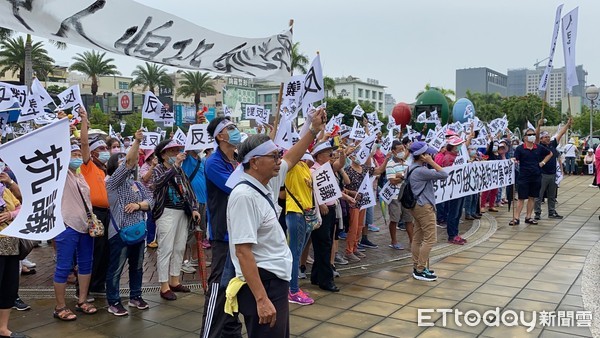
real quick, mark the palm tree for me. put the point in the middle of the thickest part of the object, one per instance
(150, 77)
(12, 58)
(329, 85)
(93, 64)
(196, 84)
(299, 60)
(5, 33)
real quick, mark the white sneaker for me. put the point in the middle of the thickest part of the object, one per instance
(193, 262)
(187, 268)
(592, 186)
(29, 264)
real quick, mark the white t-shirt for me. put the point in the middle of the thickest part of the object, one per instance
(277, 182)
(570, 150)
(251, 219)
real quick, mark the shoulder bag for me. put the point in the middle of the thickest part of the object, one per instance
(95, 226)
(311, 216)
(135, 233)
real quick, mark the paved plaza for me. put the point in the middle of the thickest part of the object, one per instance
(549, 267)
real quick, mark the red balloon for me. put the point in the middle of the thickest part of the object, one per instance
(401, 114)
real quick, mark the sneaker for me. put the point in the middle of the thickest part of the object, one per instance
(29, 264)
(555, 216)
(20, 305)
(193, 262)
(302, 272)
(591, 186)
(138, 303)
(373, 228)
(361, 248)
(118, 310)
(401, 227)
(424, 276)
(431, 272)
(368, 244)
(476, 216)
(339, 259)
(537, 217)
(396, 246)
(335, 272)
(351, 258)
(187, 268)
(457, 240)
(469, 217)
(342, 235)
(299, 298)
(359, 254)
(441, 225)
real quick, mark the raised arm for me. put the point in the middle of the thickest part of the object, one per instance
(564, 129)
(295, 153)
(133, 155)
(85, 142)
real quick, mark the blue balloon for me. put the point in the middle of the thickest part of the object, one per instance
(463, 110)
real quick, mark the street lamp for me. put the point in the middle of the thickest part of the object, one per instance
(591, 93)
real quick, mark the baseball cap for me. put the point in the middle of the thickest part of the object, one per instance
(419, 148)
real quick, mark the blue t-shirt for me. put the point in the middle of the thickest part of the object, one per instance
(199, 181)
(550, 167)
(529, 162)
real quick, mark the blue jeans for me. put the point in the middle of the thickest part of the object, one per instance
(119, 253)
(570, 165)
(442, 212)
(499, 195)
(471, 204)
(455, 207)
(369, 217)
(151, 226)
(298, 235)
(68, 243)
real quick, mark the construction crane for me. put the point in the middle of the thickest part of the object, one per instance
(538, 62)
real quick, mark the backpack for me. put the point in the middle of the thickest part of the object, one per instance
(407, 197)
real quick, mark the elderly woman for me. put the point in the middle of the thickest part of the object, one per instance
(175, 204)
(74, 240)
(9, 250)
(129, 201)
(147, 179)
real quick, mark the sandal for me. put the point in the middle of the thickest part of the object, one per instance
(85, 307)
(515, 221)
(64, 314)
(530, 221)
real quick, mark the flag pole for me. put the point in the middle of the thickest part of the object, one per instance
(544, 103)
(277, 114)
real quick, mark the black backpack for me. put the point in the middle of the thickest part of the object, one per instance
(407, 197)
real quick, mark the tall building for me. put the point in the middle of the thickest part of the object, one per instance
(517, 82)
(480, 80)
(357, 90)
(390, 102)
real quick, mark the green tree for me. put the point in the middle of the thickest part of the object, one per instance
(195, 84)
(134, 121)
(581, 122)
(12, 58)
(151, 76)
(520, 109)
(487, 106)
(94, 64)
(55, 89)
(299, 60)
(329, 86)
(98, 119)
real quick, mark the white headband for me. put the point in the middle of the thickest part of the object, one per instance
(263, 149)
(224, 124)
(97, 144)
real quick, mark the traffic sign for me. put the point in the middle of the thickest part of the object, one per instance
(125, 102)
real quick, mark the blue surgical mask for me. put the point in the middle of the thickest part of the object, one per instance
(75, 163)
(103, 156)
(172, 160)
(235, 138)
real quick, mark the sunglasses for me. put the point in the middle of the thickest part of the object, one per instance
(529, 134)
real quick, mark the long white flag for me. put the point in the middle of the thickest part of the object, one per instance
(127, 27)
(367, 195)
(152, 106)
(313, 89)
(40, 161)
(569, 36)
(550, 65)
(70, 98)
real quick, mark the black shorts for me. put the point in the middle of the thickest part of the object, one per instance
(529, 189)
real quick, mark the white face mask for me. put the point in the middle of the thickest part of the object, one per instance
(531, 138)
(401, 154)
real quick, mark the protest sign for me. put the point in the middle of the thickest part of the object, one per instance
(179, 137)
(70, 98)
(357, 132)
(367, 195)
(389, 192)
(151, 107)
(198, 138)
(325, 184)
(150, 140)
(358, 111)
(365, 148)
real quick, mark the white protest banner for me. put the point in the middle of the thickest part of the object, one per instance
(45, 118)
(372, 117)
(111, 131)
(325, 184)
(367, 195)
(313, 89)
(530, 126)
(365, 148)
(40, 161)
(226, 111)
(386, 143)
(569, 38)
(127, 27)
(432, 118)
(151, 107)
(463, 155)
(498, 125)
(389, 192)
(283, 138)
(438, 140)
(474, 177)
(257, 113)
(292, 95)
(358, 111)
(357, 132)
(11, 94)
(559, 173)
(479, 142)
(198, 138)
(550, 65)
(150, 141)
(179, 137)
(70, 98)
(31, 109)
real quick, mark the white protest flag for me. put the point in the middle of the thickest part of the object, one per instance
(111, 131)
(550, 65)
(365, 148)
(40, 160)
(168, 124)
(434, 116)
(325, 184)
(198, 138)
(150, 140)
(463, 155)
(11, 94)
(32, 109)
(283, 138)
(421, 118)
(569, 37)
(439, 139)
(559, 173)
(357, 132)
(127, 27)
(367, 195)
(38, 89)
(70, 98)
(313, 89)
(392, 123)
(257, 113)
(386, 143)
(179, 137)
(430, 136)
(330, 125)
(529, 125)
(151, 107)
(226, 111)
(358, 111)
(292, 95)
(389, 192)
(372, 117)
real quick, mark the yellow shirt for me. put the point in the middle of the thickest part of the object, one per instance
(299, 182)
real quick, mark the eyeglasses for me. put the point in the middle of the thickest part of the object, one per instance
(230, 127)
(275, 157)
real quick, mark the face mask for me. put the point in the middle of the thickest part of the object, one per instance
(172, 160)
(115, 150)
(103, 156)
(235, 138)
(126, 143)
(401, 154)
(494, 149)
(472, 153)
(531, 138)
(75, 163)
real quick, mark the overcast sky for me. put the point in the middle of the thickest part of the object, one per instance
(403, 44)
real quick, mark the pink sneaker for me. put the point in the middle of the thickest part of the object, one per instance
(300, 298)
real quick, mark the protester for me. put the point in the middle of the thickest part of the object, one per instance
(75, 240)
(421, 181)
(455, 205)
(472, 201)
(395, 171)
(571, 153)
(129, 201)
(113, 145)
(531, 159)
(489, 196)
(175, 205)
(146, 175)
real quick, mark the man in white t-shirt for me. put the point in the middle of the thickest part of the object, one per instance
(395, 171)
(571, 152)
